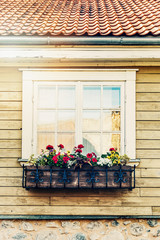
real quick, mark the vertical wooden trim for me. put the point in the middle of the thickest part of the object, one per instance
(27, 112)
(130, 114)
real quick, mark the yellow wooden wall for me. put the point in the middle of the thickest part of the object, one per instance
(143, 200)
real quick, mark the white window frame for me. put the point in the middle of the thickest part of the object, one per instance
(126, 77)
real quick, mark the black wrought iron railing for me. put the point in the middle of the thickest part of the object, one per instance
(116, 177)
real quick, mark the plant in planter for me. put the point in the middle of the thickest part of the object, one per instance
(59, 169)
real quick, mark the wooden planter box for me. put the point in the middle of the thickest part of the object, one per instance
(86, 177)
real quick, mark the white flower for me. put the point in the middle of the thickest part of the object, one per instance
(105, 162)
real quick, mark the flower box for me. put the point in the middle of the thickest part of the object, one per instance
(115, 177)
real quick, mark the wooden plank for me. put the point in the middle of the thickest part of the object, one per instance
(148, 134)
(148, 106)
(148, 125)
(150, 163)
(155, 116)
(149, 77)
(11, 87)
(10, 96)
(150, 192)
(9, 162)
(149, 70)
(106, 201)
(19, 191)
(10, 75)
(10, 106)
(10, 134)
(10, 182)
(144, 153)
(8, 115)
(150, 88)
(10, 143)
(10, 153)
(148, 182)
(24, 201)
(74, 210)
(10, 124)
(151, 144)
(148, 97)
(156, 211)
(150, 173)
(11, 172)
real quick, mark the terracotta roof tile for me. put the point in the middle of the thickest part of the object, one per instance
(67, 17)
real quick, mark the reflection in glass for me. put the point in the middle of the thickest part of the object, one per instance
(91, 141)
(44, 139)
(66, 97)
(91, 120)
(66, 120)
(67, 139)
(46, 97)
(111, 97)
(111, 121)
(110, 140)
(91, 97)
(46, 120)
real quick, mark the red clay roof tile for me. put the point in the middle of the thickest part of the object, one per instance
(78, 17)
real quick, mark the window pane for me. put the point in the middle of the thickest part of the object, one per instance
(110, 140)
(91, 97)
(46, 97)
(111, 97)
(91, 120)
(66, 120)
(67, 139)
(91, 141)
(44, 139)
(66, 97)
(46, 120)
(111, 121)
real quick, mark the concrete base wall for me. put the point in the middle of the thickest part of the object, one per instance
(120, 229)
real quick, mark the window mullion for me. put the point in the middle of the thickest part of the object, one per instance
(79, 96)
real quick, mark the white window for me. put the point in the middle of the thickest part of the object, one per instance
(92, 107)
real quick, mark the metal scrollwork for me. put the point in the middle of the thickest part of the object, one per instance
(64, 177)
(37, 176)
(120, 177)
(92, 176)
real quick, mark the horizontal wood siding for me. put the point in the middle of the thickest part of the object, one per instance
(143, 200)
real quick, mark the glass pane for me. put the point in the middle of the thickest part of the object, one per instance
(110, 140)
(67, 139)
(91, 142)
(46, 97)
(111, 121)
(91, 96)
(46, 120)
(66, 120)
(91, 120)
(66, 97)
(111, 97)
(44, 139)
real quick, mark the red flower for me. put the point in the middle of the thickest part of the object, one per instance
(65, 159)
(112, 149)
(55, 159)
(94, 160)
(79, 150)
(89, 155)
(49, 147)
(80, 146)
(61, 146)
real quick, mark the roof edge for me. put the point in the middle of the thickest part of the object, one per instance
(89, 40)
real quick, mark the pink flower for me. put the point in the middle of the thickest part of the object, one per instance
(79, 150)
(94, 160)
(55, 159)
(61, 146)
(49, 147)
(80, 146)
(89, 155)
(65, 159)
